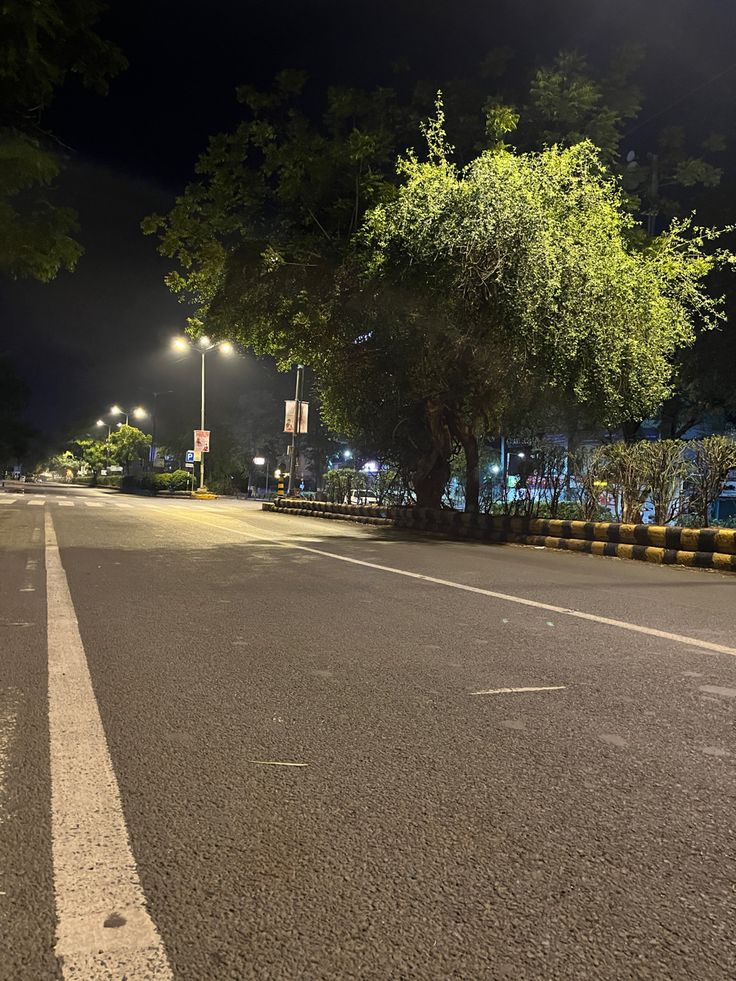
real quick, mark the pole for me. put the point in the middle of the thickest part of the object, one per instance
(201, 462)
(266, 476)
(297, 424)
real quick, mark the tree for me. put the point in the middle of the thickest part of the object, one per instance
(517, 274)
(94, 453)
(129, 445)
(259, 236)
(467, 297)
(43, 43)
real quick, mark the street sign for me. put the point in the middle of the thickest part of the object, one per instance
(115, 469)
(290, 416)
(201, 440)
(189, 466)
(190, 456)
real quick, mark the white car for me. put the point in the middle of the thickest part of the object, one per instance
(363, 497)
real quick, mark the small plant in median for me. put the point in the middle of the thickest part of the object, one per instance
(712, 459)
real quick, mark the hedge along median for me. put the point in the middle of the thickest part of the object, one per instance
(704, 548)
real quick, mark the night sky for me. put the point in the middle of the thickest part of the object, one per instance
(101, 334)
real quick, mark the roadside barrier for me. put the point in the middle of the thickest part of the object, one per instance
(703, 548)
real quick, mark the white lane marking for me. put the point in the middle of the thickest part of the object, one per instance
(65, 504)
(37, 500)
(94, 504)
(8, 720)
(510, 691)
(718, 690)
(705, 645)
(95, 877)
(119, 504)
(275, 763)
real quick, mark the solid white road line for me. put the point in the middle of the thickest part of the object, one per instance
(94, 504)
(511, 691)
(65, 504)
(103, 929)
(705, 645)
(37, 500)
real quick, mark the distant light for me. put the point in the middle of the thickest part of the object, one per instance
(204, 341)
(370, 467)
(227, 348)
(100, 423)
(115, 410)
(521, 456)
(495, 468)
(348, 455)
(259, 460)
(119, 425)
(179, 343)
(277, 474)
(139, 412)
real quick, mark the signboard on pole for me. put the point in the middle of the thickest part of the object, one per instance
(290, 420)
(201, 440)
(190, 456)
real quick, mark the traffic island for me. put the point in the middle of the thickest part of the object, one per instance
(702, 548)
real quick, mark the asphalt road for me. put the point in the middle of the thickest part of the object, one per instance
(583, 831)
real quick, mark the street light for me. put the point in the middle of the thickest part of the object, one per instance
(101, 422)
(138, 413)
(203, 346)
(261, 461)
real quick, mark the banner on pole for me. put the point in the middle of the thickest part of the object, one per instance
(201, 440)
(290, 420)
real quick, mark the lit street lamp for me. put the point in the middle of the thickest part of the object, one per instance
(261, 461)
(138, 413)
(203, 346)
(101, 422)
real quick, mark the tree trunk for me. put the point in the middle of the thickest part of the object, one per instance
(433, 470)
(630, 428)
(472, 470)
(430, 483)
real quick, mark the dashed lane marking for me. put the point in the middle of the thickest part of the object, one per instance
(275, 763)
(104, 930)
(512, 691)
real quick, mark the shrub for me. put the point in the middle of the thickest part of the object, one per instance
(180, 480)
(665, 471)
(712, 459)
(162, 481)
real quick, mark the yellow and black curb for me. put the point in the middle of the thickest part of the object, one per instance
(702, 548)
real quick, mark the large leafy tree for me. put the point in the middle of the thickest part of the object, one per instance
(515, 277)
(42, 44)
(129, 444)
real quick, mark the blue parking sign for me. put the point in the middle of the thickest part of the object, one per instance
(190, 456)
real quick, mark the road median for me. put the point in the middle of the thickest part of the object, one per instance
(704, 548)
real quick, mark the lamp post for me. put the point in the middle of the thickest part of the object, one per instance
(101, 422)
(297, 426)
(261, 461)
(203, 346)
